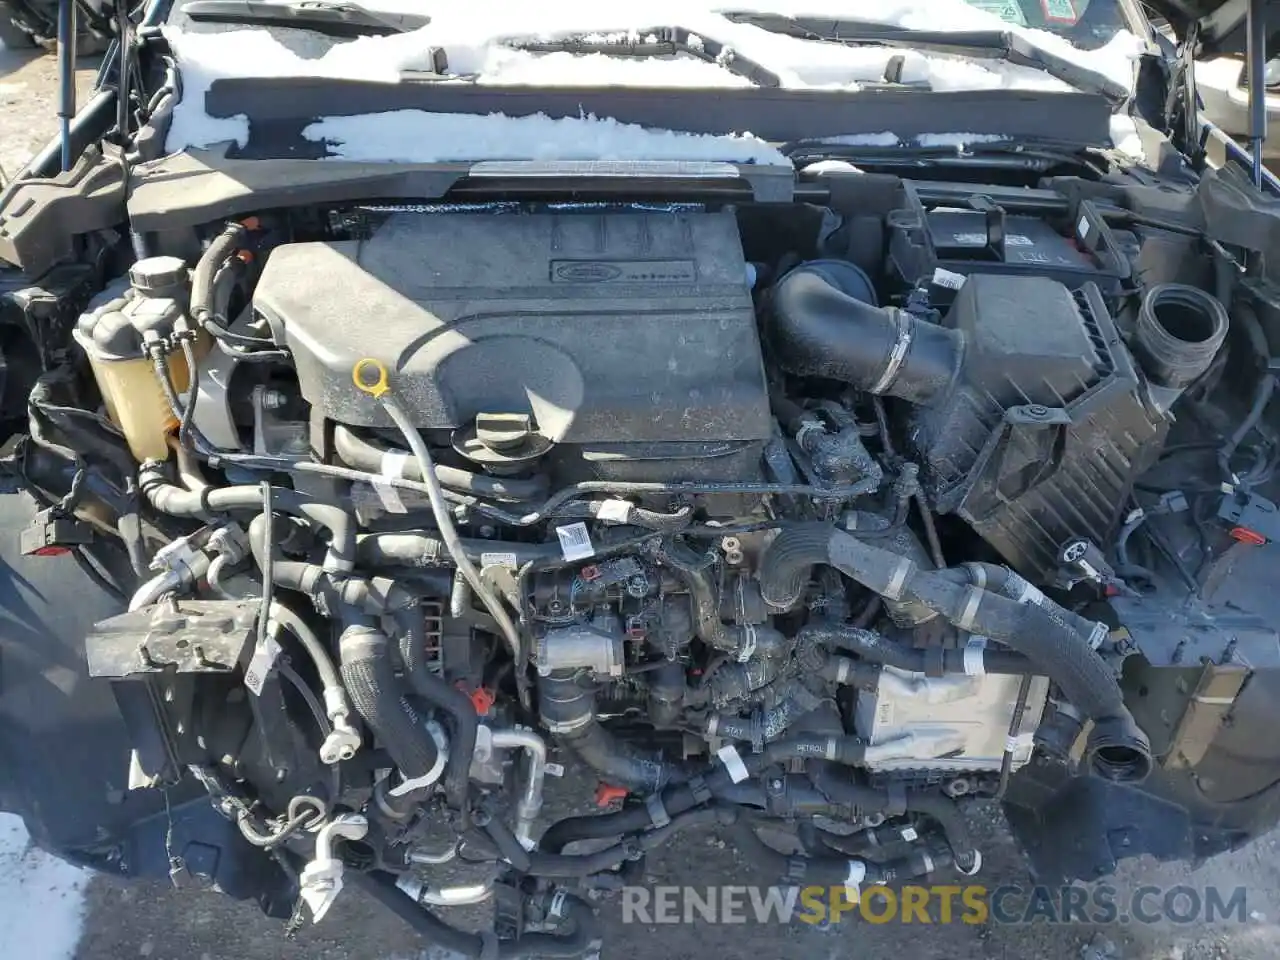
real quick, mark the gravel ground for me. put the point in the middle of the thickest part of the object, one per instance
(124, 921)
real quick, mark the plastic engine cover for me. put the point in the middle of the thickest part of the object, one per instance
(606, 326)
(1045, 430)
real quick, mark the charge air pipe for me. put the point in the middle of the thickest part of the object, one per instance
(822, 323)
(1117, 749)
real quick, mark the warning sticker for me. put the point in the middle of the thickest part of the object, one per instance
(1059, 11)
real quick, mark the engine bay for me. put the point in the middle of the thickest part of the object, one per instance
(828, 518)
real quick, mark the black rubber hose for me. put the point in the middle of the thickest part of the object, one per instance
(370, 679)
(933, 661)
(409, 549)
(992, 576)
(560, 834)
(840, 788)
(362, 454)
(631, 515)
(741, 641)
(176, 501)
(436, 691)
(579, 940)
(820, 329)
(329, 589)
(734, 681)
(537, 863)
(787, 564)
(202, 277)
(821, 871)
(618, 762)
(679, 798)
(791, 701)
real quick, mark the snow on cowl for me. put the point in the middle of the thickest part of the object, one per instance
(468, 33)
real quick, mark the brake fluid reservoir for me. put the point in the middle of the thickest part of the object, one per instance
(113, 335)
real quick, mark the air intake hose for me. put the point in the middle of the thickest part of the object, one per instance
(1117, 748)
(1179, 331)
(821, 325)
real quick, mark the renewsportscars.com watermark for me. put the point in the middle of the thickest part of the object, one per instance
(940, 903)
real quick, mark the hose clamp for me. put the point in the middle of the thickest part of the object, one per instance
(898, 580)
(971, 603)
(657, 811)
(698, 787)
(896, 798)
(853, 882)
(897, 354)
(977, 865)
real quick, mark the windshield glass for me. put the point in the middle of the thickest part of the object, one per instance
(1086, 24)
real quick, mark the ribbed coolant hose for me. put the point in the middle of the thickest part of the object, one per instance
(1117, 748)
(435, 690)
(370, 679)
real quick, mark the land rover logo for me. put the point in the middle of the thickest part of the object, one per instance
(587, 271)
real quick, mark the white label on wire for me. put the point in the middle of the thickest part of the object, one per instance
(948, 278)
(1031, 594)
(728, 755)
(909, 834)
(1082, 228)
(554, 769)
(616, 511)
(260, 664)
(575, 542)
(974, 651)
(497, 560)
(392, 464)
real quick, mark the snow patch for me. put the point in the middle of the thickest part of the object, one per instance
(957, 140)
(41, 898)
(414, 136)
(1124, 136)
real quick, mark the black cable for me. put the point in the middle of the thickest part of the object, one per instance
(268, 562)
(83, 560)
(187, 419)
(1015, 726)
(317, 711)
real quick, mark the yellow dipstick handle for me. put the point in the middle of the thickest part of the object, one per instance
(370, 376)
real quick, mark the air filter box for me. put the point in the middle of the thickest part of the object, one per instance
(1044, 431)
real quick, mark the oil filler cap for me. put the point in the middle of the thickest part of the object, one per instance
(497, 440)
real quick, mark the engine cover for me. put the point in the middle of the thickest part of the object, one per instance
(607, 327)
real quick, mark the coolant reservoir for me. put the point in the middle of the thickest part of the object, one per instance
(113, 335)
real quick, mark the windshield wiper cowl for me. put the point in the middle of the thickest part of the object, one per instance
(335, 19)
(1002, 45)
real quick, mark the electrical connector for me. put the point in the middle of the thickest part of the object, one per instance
(1253, 519)
(52, 533)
